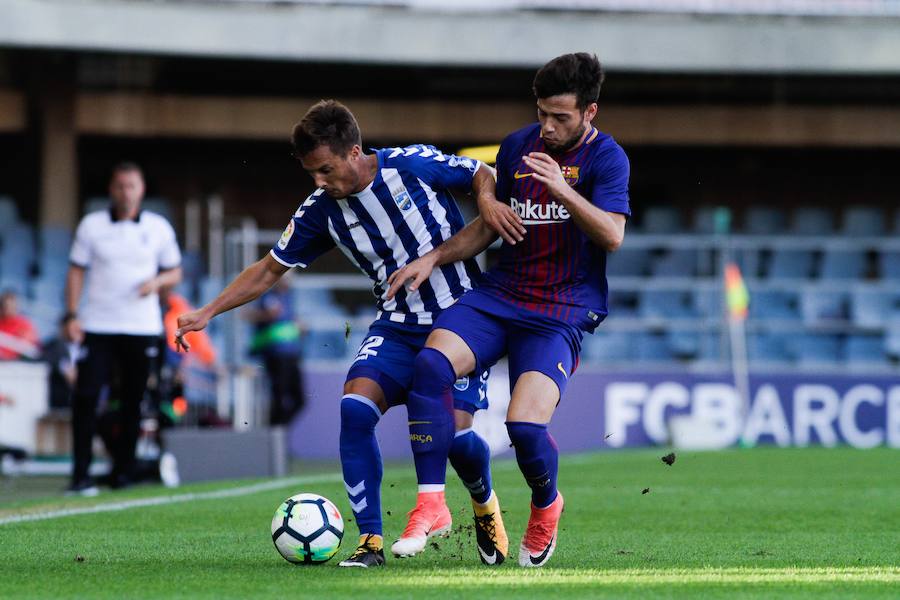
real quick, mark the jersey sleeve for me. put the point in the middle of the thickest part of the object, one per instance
(438, 169)
(169, 255)
(504, 182)
(610, 188)
(80, 254)
(306, 236)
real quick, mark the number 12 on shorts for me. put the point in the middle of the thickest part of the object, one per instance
(368, 347)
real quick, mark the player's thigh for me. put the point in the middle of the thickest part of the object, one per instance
(541, 360)
(383, 366)
(463, 419)
(534, 398)
(470, 339)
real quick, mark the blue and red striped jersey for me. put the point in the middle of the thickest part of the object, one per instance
(557, 271)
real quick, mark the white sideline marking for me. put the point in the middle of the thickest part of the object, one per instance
(163, 500)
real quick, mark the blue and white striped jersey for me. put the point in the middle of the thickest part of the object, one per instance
(406, 211)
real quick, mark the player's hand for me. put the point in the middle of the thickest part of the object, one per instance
(192, 321)
(547, 172)
(148, 287)
(415, 272)
(502, 220)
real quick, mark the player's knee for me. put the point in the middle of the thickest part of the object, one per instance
(358, 413)
(433, 372)
(523, 433)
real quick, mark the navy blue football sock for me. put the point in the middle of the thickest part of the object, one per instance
(471, 458)
(361, 460)
(430, 409)
(538, 458)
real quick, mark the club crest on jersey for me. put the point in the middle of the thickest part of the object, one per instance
(462, 384)
(570, 173)
(403, 199)
(286, 236)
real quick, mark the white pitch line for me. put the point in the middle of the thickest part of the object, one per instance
(163, 500)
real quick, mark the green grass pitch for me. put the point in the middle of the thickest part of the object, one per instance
(812, 523)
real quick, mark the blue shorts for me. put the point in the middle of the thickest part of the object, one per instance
(492, 328)
(386, 357)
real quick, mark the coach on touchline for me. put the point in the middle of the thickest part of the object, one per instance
(127, 255)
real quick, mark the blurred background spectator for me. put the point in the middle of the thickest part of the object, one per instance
(276, 339)
(61, 354)
(18, 337)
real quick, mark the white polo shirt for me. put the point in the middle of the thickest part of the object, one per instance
(120, 256)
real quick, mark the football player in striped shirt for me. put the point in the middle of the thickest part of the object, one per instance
(383, 210)
(568, 182)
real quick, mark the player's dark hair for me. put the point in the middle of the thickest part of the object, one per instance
(127, 166)
(329, 123)
(580, 74)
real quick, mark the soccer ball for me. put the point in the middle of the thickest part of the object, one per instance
(307, 529)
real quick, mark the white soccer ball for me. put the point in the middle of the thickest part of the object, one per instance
(307, 529)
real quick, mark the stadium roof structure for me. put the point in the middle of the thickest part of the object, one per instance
(685, 36)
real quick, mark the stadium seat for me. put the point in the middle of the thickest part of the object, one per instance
(865, 350)
(53, 264)
(705, 220)
(863, 221)
(683, 345)
(609, 347)
(662, 219)
(19, 286)
(677, 262)
(774, 304)
(769, 348)
(711, 348)
(889, 264)
(817, 306)
(665, 304)
(765, 220)
(652, 347)
(749, 261)
(17, 252)
(892, 340)
(843, 264)
(708, 302)
(628, 262)
(623, 304)
(816, 348)
(812, 221)
(9, 213)
(54, 240)
(870, 308)
(48, 290)
(790, 264)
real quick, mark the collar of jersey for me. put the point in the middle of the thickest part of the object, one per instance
(112, 216)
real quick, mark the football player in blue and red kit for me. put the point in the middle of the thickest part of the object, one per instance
(568, 183)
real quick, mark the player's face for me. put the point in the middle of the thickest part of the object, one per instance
(126, 190)
(337, 175)
(562, 122)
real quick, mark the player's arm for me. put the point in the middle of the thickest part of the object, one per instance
(471, 240)
(606, 229)
(165, 279)
(74, 285)
(248, 286)
(498, 216)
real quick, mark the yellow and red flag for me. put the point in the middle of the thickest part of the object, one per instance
(736, 295)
